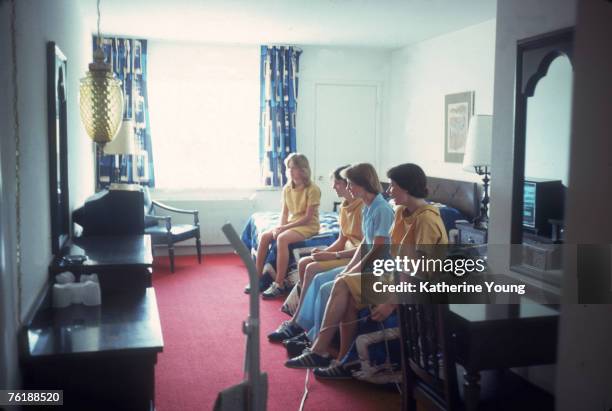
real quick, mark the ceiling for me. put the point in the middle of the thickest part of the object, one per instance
(356, 23)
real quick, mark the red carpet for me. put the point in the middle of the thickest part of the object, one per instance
(202, 308)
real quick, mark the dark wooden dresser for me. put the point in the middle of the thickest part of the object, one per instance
(102, 357)
(123, 263)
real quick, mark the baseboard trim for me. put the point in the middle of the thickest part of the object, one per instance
(162, 250)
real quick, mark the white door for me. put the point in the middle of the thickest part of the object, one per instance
(346, 122)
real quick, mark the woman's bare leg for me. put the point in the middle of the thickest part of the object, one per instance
(282, 253)
(311, 271)
(262, 251)
(348, 328)
(334, 313)
(302, 264)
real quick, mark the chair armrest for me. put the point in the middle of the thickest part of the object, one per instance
(173, 209)
(195, 213)
(159, 217)
(166, 218)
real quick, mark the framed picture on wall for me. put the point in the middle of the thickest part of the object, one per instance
(458, 109)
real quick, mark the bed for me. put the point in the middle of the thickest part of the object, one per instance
(458, 200)
(265, 220)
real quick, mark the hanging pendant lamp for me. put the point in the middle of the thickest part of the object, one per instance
(101, 98)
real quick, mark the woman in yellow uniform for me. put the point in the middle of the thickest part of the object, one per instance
(338, 254)
(299, 220)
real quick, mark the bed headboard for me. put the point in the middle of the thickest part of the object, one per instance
(462, 195)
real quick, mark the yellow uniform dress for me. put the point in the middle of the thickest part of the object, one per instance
(421, 228)
(349, 219)
(297, 201)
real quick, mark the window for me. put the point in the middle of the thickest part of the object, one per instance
(204, 114)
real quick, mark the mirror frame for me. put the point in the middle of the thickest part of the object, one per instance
(534, 56)
(57, 127)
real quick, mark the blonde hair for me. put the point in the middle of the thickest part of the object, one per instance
(364, 175)
(301, 162)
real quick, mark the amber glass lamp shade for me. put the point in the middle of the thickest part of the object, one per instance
(101, 101)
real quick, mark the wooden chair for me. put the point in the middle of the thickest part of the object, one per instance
(170, 233)
(429, 368)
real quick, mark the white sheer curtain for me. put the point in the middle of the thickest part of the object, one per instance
(204, 105)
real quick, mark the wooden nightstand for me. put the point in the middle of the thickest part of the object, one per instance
(468, 234)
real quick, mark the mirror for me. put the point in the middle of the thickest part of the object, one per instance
(541, 156)
(58, 151)
(547, 134)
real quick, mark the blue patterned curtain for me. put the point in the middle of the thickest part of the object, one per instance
(279, 68)
(128, 58)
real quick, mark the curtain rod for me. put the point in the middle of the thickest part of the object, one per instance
(282, 45)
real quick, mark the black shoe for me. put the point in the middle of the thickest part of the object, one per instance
(264, 282)
(302, 337)
(273, 292)
(295, 347)
(335, 371)
(285, 331)
(308, 359)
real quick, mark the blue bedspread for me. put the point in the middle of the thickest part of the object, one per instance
(450, 216)
(265, 220)
(328, 233)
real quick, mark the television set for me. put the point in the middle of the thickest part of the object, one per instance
(543, 200)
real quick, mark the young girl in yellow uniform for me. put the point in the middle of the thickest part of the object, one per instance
(338, 254)
(299, 220)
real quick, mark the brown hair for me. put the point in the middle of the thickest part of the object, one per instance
(301, 162)
(364, 175)
(337, 173)
(411, 178)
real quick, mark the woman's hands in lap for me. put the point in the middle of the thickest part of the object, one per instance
(323, 256)
(277, 231)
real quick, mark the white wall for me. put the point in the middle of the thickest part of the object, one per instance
(341, 66)
(421, 75)
(38, 22)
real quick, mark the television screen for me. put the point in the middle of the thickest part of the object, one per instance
(529, 204)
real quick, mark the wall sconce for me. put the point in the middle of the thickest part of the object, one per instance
(101, 98)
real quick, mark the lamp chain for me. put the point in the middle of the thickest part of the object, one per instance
(99, 39)
(16, 128)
